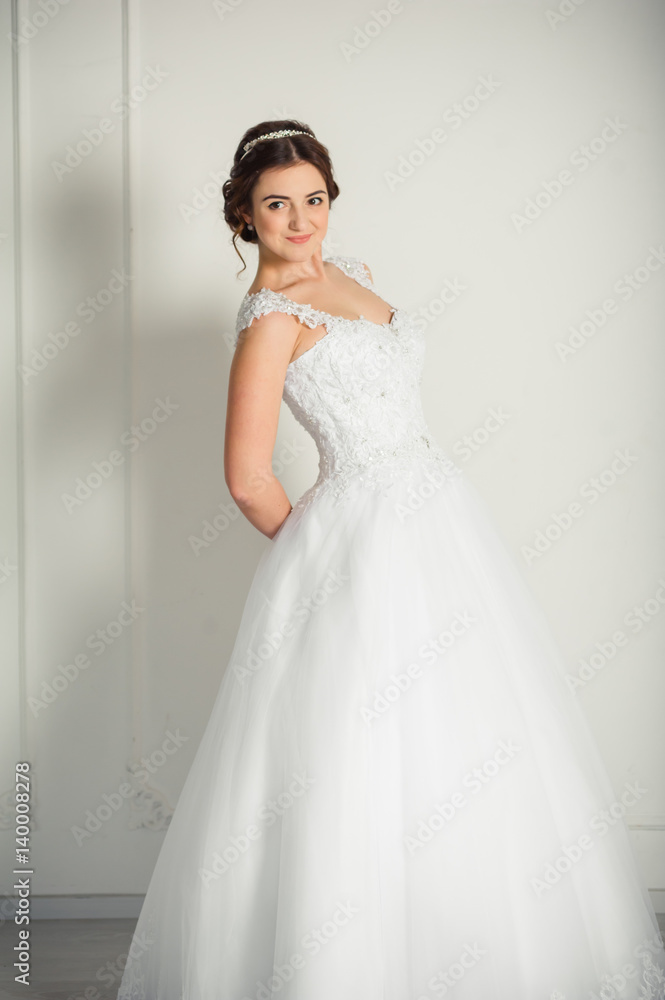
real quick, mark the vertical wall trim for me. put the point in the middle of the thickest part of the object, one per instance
(134, 679)
(20, 424)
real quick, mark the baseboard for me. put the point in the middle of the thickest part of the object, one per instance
(108, 906)
(84, 907)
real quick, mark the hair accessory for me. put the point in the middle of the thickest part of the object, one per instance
(273, 135)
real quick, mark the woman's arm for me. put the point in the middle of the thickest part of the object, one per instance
(256, 382)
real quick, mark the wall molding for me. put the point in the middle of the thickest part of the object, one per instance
(118, 907)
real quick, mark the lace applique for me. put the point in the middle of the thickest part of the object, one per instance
(405, 463)
(356, 391)
(653, 981)
(132, 985)
(652, 985)
(355, 268)
(266, 300)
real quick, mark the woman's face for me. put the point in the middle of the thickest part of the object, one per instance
(290, 202)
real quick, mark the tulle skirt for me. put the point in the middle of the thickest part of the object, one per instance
(397, 796)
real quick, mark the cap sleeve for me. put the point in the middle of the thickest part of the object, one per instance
(266, 301)
(355, 268)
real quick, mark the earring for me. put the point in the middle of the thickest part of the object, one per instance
(250, 226)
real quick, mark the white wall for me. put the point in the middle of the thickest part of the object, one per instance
(145, 204)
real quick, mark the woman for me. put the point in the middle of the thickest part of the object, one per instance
(396, 795)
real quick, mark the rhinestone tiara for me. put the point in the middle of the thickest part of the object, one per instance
(273, 135)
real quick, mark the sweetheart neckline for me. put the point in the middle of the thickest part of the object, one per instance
(308, 305)
(321, 312)
(361, 319)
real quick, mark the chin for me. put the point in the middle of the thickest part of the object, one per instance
(305, 248)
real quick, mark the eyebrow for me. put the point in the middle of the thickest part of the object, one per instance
(285, 197)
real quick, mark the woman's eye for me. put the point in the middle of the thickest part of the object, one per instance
(315, 199)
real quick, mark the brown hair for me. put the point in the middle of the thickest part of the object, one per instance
(282, 152)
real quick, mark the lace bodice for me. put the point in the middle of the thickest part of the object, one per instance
(357, 392)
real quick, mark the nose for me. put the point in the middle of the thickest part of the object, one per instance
(298, 219)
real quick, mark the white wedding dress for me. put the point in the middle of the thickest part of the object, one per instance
(396, 797)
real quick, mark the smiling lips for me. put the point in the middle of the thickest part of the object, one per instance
(299, 239)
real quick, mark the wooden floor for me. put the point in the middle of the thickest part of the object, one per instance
(76, 959)
(69, 957)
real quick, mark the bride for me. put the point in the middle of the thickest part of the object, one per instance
(396, 796)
